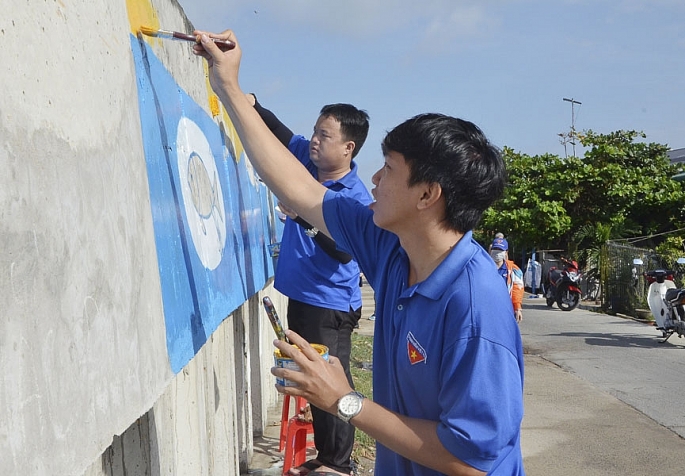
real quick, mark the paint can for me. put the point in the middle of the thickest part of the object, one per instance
(285, 362)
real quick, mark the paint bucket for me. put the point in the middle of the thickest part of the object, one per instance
(284, 362)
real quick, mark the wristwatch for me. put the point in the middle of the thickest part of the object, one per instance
(350, 405)
(311, 232)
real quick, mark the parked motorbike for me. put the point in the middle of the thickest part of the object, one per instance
(563, 285)
(666, 302)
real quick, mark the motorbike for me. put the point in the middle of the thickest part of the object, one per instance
(563, 286)
(666, 302)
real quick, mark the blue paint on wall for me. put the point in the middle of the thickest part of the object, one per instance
(213, 220)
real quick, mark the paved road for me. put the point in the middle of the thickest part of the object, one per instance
(620, 356)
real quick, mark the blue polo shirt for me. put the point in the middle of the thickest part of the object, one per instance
(445, 349)
(307, 273)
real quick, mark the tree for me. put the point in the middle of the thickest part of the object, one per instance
(619, 183)
(591, 254)
(532, 209)
(629, 184)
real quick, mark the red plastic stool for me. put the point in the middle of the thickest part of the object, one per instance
(300, 404)
(294, 433)
(296, 443)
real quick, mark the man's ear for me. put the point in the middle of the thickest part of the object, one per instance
(349, 148)
(432, 192)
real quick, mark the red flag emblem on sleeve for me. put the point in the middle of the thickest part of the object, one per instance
(416, 353)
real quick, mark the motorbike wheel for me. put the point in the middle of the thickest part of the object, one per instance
(567, 300)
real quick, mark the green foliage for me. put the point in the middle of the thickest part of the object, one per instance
(668, 252)
(671, 249)
(619, 187)
(362, 352)
(589, 240)
(532, 209)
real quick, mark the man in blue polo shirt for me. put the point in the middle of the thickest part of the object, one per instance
(448, 360)
(322, 283)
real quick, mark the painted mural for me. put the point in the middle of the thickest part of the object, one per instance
(213, 219)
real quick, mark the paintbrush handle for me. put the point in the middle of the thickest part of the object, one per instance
(273, 317)
(177, 35)
(223, 45)
(182, 36)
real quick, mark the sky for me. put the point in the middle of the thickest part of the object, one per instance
(505, 65)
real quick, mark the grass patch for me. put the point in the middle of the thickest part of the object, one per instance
(360, 361)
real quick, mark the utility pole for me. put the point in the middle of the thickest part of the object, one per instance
(572, 134)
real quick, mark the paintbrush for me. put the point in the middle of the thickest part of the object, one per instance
(273, 317)
(175, 35)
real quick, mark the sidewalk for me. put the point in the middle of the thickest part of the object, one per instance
(570, 427)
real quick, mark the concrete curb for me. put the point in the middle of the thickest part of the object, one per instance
(598, 308)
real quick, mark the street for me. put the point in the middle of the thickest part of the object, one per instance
(602, 395)
(619, 356)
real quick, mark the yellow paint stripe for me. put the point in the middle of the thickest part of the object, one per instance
(142, 13)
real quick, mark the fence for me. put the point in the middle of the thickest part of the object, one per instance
(623, 282)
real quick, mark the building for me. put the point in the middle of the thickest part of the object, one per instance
(676, 155)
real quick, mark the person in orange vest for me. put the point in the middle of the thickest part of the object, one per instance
(511, 273)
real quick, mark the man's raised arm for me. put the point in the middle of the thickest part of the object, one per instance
(277, 167)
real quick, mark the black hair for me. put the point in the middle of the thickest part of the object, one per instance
(354, 123)
(456, 155)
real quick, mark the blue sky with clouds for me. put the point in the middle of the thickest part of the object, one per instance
(506, 65)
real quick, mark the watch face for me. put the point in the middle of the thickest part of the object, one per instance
(350, 404)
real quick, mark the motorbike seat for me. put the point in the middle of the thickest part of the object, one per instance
(674, 294)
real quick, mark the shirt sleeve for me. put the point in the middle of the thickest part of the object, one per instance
(274, 124)
(517, 288)
(482, 409)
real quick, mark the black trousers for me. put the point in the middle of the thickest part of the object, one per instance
(333, 438)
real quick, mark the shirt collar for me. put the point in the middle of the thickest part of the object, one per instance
(348, 180)
(454, 263)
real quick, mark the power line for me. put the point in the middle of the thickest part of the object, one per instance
(646, 237)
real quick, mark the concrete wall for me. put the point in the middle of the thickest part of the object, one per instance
(204, 422)
(131, 334)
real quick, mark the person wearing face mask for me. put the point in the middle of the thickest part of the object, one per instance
(511, 273)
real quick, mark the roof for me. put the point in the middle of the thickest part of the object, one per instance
(676, 155)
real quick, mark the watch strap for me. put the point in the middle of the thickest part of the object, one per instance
(347, 417)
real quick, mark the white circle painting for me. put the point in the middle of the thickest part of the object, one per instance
(202, 195)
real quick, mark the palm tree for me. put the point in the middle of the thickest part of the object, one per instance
(590, 241)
